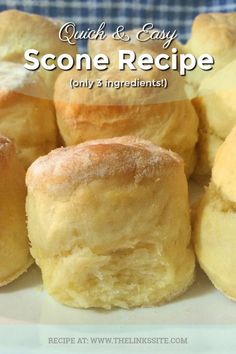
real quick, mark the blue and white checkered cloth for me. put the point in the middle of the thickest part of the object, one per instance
(164, 14)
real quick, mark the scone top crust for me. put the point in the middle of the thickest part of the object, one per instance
(213, 33)
(60, 171)
(224, 170)
(15, 78)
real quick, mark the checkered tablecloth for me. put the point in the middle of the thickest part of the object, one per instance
(164, 14)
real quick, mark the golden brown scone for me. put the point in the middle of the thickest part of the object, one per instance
(20, 31)
(27, 116)
(214, 34)
(164, 116)
(108, 222)
(14, 249)
(216, 108)
(215, 221)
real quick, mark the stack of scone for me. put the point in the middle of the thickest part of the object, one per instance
(27, 117)
(214, 222)
(27, 114)
(215, 90)
(109, 219)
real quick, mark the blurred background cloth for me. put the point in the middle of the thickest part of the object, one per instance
(164, 14)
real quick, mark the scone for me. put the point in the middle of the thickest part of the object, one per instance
(27, 115)
(108, 222)
(216, 108)
(215, 221)
(20, 31)
(214, 34)
(14, 249)
(164, 116)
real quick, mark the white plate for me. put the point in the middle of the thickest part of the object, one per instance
(24, 302)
